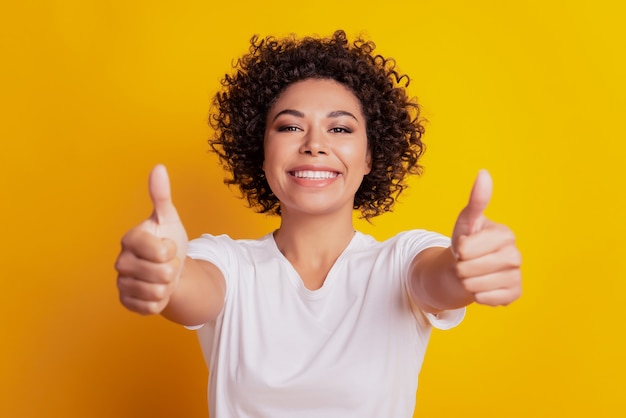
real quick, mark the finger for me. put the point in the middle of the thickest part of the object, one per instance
(140, 290)
(141, 306)
(490, 239)
(144, 245)
(160, 193)
(507, 279)
(504, 259)
(478, 201)
(498, 297)
(146, 271)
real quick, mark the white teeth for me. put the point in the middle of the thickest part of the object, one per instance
(315, 175)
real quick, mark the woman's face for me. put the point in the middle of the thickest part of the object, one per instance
(316, 151)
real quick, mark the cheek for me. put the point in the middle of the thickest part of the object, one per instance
(358, 156)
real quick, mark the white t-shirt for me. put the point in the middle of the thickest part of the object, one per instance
(352, 348)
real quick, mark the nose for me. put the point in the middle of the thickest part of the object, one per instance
(314, 143)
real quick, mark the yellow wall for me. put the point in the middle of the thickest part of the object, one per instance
(95, 93)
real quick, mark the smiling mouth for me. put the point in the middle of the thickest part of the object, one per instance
(314, 175)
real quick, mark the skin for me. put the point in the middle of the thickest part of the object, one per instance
(315, 127)
(316, 155)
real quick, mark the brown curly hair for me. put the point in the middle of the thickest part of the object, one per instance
(394, 127)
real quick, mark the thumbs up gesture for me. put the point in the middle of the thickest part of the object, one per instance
(487, 259)
(153, 252)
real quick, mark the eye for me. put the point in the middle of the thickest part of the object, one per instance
(340, 130)
(288, 128)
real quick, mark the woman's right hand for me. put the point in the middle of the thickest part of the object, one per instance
(153, 253)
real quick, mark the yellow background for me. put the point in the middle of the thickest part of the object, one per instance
(94, 93)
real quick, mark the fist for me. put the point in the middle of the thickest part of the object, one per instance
(153, 253)
(488, 261)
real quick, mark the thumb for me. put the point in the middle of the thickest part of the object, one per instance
(480, 196)
(161, 195)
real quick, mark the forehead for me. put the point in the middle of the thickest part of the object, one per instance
(316, 94)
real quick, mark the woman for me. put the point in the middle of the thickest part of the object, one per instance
(315, 319)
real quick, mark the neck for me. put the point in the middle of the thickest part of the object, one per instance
(314, 237)
(312, 244)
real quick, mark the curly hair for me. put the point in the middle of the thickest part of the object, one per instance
(393, 123)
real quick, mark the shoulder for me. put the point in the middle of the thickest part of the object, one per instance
(421, 238)
(411, 240)
(395, 252)
(208, 245)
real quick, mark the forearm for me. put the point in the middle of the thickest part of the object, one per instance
(434, 284)
(199, 295)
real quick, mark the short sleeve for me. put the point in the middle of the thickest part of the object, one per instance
(446, 319)
(412, 243)
(214, 249)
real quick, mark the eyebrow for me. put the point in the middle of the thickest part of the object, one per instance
(333, 114)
